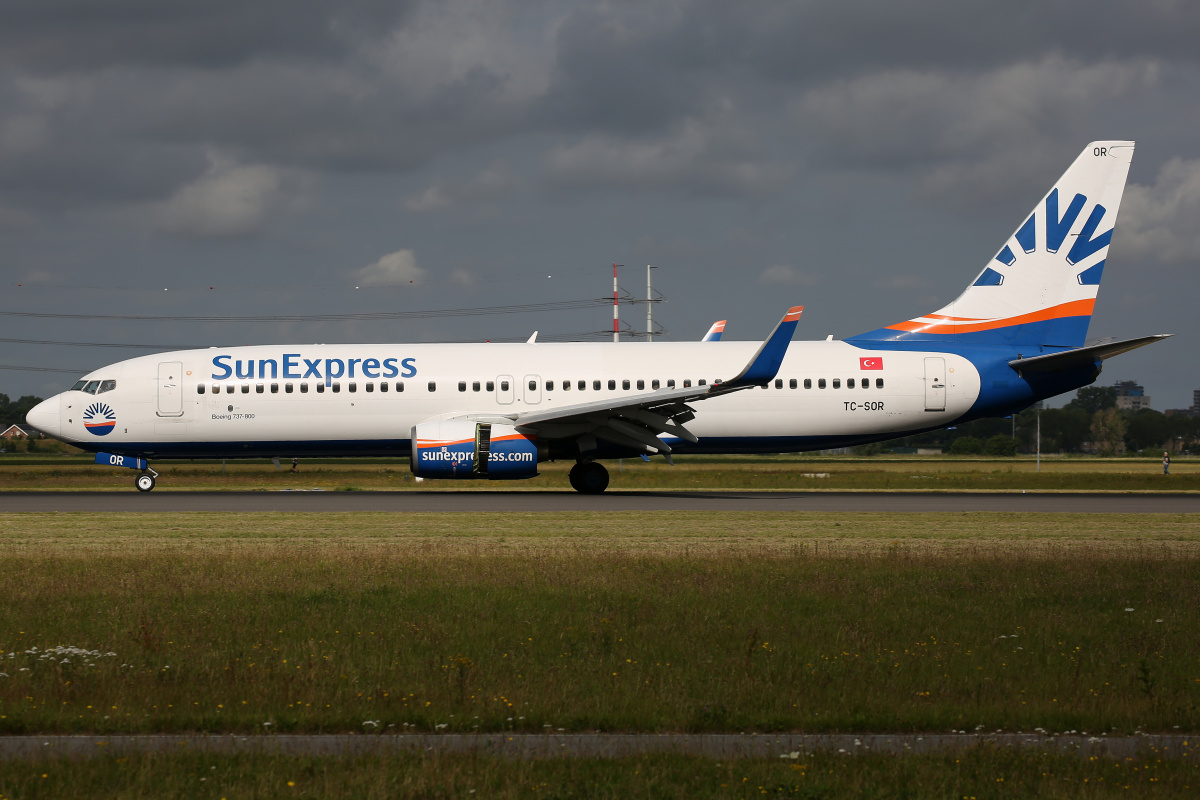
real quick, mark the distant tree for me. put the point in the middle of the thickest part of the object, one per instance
(966, 446)
(1000, 445)
(12, 412)
(1108, 431)
(1091, 399)
(1146, 428)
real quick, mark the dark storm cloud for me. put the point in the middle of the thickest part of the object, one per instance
(50, 37)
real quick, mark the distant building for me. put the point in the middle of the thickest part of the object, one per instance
(1131, 396)
(14, 432)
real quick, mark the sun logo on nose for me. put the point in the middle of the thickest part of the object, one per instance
(99, 419)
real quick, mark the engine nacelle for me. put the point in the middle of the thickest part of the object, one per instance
(458, 448)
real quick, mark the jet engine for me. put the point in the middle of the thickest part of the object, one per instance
(459, 448)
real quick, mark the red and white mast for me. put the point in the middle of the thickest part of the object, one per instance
(616, 319)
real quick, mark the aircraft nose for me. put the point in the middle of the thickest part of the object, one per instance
(44, 416)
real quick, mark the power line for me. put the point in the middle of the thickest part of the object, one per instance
(527, 308)
(43, 369)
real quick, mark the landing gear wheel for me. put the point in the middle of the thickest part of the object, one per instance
(588, 477)
(144, 482)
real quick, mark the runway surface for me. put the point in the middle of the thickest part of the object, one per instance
(594, 745)
(453, 501)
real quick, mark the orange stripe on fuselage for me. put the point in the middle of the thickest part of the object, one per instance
(1076, 308)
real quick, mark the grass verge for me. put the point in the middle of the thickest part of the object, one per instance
(660, 622)
(980, 774)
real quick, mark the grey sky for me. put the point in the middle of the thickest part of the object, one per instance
(864, 159)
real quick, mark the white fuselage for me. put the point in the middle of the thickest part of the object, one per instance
(329, 399)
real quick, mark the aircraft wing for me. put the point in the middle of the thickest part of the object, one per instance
(637, 421)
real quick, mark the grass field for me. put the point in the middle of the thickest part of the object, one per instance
(983, 774)
(809, 473)
(378, 623)
(660, 622)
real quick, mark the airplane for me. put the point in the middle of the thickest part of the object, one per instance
(494, 411)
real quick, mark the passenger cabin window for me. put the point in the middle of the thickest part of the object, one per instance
(879, 383)
(670, 383)
(433, 386)
(687, 383)
(288, 387)
(654, 383)
(566, 386)
(837, 383)
(383, 386)
(462, 386)
(399, 386)
(779, 383)
(596, 385)
(533, 386)
(808, 383)
(370, 387)
(274, 388)
(352, 386)
(245, 388)
(229, 388)
(700, 382)
(612, 385)
(504, 386)
(491, 386)
(337, 386)
(258, 389)
(641, 384)
(200, 388)
(792, 383)
(866, 383)
(474, 386)
(549, 386)
(106, 386)
(320, 388)
(304, 388)
(850, 383)
(625, 384)
(820, 383)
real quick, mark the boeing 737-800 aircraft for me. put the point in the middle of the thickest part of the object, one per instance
(494, 411)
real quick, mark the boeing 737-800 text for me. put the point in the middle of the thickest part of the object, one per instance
(494, 411)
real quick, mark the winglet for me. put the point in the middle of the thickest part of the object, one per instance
(714, 333)
(766, 361)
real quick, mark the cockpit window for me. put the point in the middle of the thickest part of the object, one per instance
(78, 387)
(91, 387)
(106, 386)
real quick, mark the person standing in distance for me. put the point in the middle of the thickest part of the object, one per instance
(1166, 463)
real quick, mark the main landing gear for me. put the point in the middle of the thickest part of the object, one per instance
(145, 481)
(588, 477)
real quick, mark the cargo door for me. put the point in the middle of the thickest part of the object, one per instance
(935, 384)
(170, 389)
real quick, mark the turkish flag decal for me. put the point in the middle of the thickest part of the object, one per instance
(870, 363)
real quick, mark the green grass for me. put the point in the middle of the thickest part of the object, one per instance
(981, 774)
(647, 622)
(808, 473)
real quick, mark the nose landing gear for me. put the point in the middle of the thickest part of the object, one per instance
(145, 481)
(588, 477)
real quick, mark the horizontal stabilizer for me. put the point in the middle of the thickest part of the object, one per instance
(1082, 356)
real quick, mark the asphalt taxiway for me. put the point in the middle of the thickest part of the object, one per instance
(524, 501)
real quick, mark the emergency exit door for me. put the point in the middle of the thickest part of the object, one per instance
(170, 389)
(935, 384)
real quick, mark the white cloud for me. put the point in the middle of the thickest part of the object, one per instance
(1159, 222)
(496, 182)
(228, 200)
(783, 275)
(398, 267)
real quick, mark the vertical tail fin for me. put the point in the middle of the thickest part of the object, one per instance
(1041, 287)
